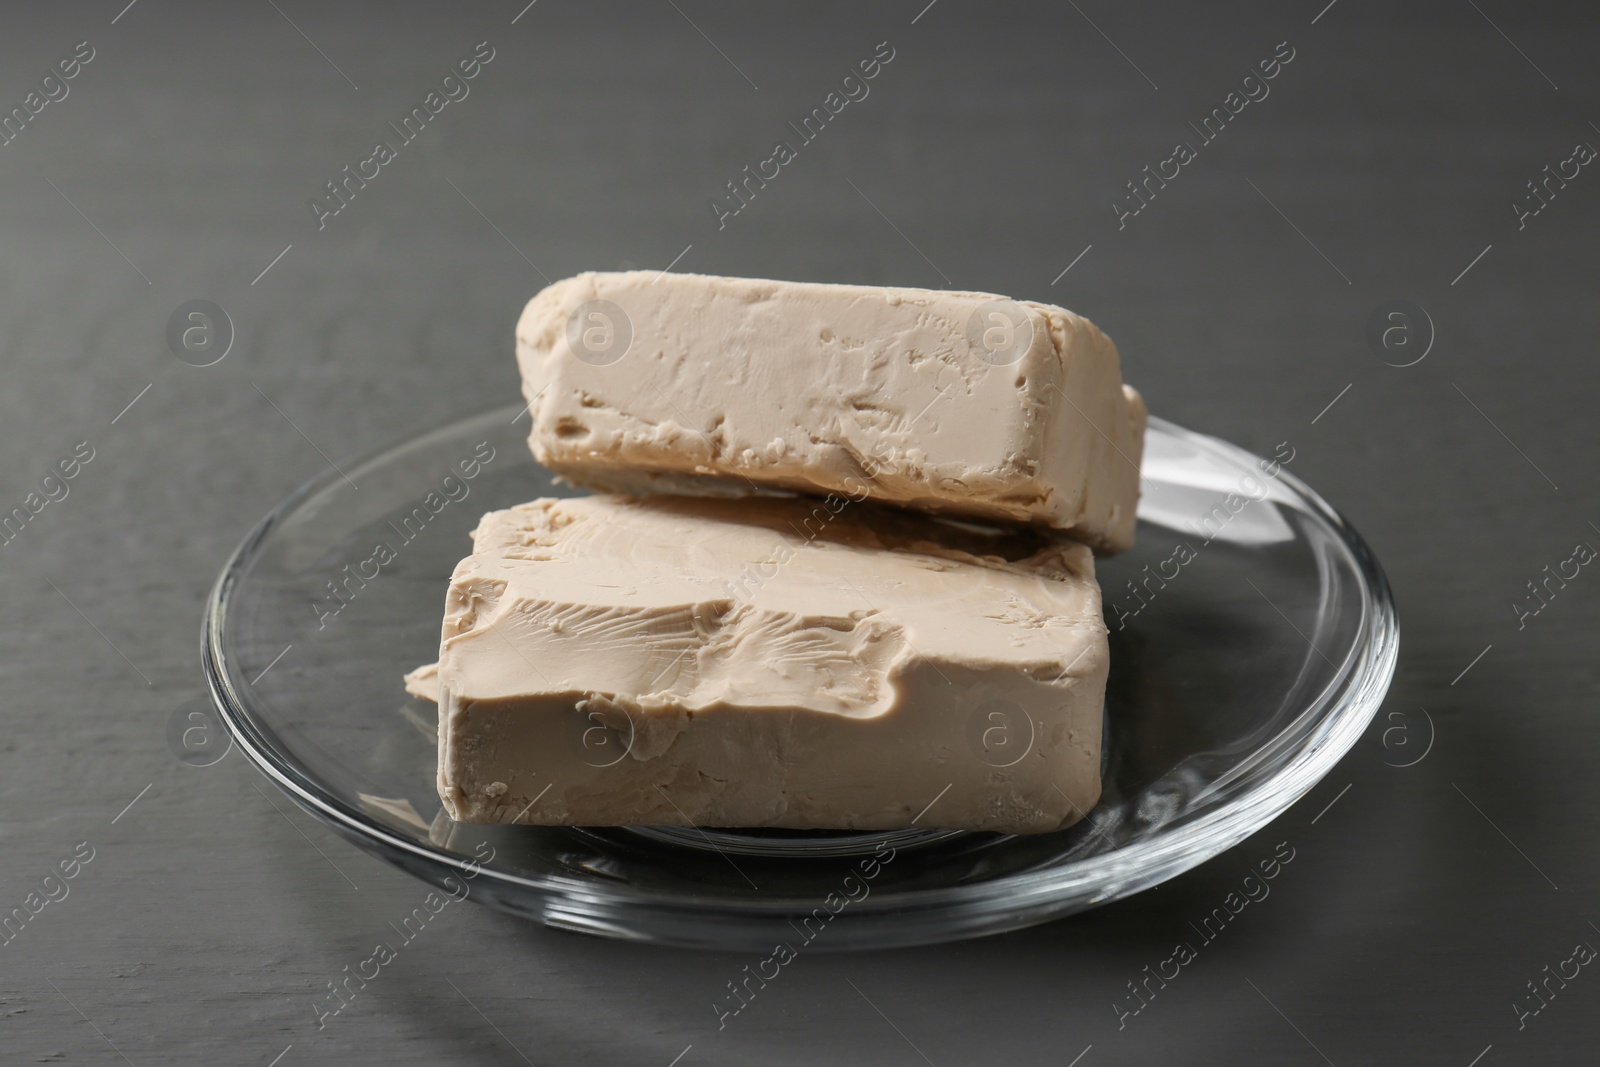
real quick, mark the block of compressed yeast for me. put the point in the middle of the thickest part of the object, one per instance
(962, 403)
(770, 662)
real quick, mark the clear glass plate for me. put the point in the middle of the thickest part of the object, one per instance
(1252, 640)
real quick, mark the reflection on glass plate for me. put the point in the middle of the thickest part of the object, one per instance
(1252, 639)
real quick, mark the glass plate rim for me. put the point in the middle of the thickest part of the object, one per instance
(1340, 713)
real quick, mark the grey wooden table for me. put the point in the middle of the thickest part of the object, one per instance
(1388, 157)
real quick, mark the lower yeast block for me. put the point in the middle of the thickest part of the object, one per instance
(768, 662)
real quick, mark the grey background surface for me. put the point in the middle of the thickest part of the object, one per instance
(1383, 164)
